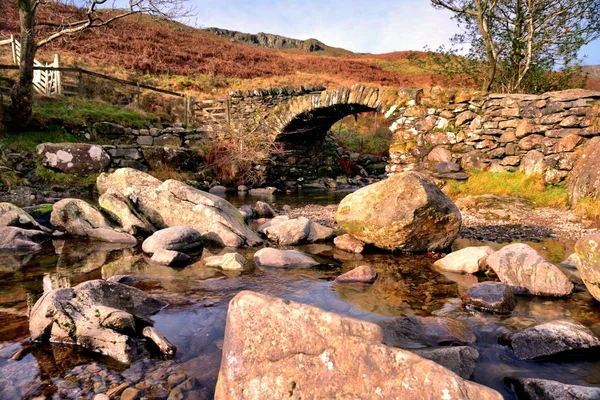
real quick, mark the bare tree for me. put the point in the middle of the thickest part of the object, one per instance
(36, 33)
(524, 40)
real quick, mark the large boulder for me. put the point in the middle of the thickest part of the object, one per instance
(587, 251)
(13, 238)
(173, 203)
(299, 351)
(554, 338)
(527, 273)
(177, 238)
(584, 179)
(101, 316)
(121, 210)
(11, 215)
(404, 212)
(79, 159)
(78, 218)
(464, 261)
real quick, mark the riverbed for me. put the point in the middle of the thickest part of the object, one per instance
(199, 296)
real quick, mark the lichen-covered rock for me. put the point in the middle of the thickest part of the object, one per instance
(122, 211)
(545, 389)
(101, 316)
(11, 215)
(587, 250)
(552, 338)
(361, 274)
(13, 238)
(288, 355)
(79, 159)
(527, 273)
(78, 218)
(174, 203)
(404, 212)
(464, 261)
(585, 176)
(270, 257)
(493, 297)
(177, 238)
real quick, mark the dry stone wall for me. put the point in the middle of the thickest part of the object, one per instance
(451, 132)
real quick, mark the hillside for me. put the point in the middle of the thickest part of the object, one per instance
(182, 58)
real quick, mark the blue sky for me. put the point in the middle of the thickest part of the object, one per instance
(376, 26)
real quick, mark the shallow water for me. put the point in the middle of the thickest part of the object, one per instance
(198, 297)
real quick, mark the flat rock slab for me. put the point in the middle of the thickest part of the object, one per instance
(176, 238)
(464, 261)
(270, 257)
(276, 349)
(494, 297)
(545, 389)
(552, 338)
(361, 274)
(527, 273)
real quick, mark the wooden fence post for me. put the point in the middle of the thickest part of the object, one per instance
(57, 75)
(13, 48)
(80, 82)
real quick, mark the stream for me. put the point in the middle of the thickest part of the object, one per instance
(199, 296)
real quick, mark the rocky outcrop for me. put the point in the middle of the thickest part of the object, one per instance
(585, 177)
(287, 355)
(79, 159)
(13, 238)
(545, 389)
(270, 257)
(270, 40)
(78, 218)
(464, 261)
(587, 250)
(11, 215)
(527, 273)
(176, 238)
(492, 297)
(173, 203)
(405, 212)
(551, 339)
(101, 316)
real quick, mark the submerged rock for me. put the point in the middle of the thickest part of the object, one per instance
(526, 272)
(176, 238)
(287, 355)
(270, 257)
(544, 389)
(464, 261)
(404, 212)
(587, 262)
(551, 338)
(101, 316)
(415, 331)
(229, 261)
(362, 274)
(459, 359)
(11, 215)
(173, 203)
(13, 238)
(493, 297)
(78, 218)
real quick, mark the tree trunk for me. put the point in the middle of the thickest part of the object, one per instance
(22, 91)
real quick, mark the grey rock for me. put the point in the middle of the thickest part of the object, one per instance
(264, 210)
(13, 238)
(11, 215)
(493, 297)
(170, 257)
(177, 238)
(415, 332)
(459, 359)
(544, 389)
(270, 257)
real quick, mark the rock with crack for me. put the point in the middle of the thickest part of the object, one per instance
(288, 355)
(78, 218)
(406, 212)
(527, 273)
(11, 215)
(122, 211)
(173, 203)
(552, 338)
(101, 316)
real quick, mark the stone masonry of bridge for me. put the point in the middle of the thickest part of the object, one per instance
(476, 131)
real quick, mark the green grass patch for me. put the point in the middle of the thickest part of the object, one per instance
(516, 184)
(75, 111)
(588, 207)
(50, 177)
(28, 140)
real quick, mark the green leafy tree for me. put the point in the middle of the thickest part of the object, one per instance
(519, 45)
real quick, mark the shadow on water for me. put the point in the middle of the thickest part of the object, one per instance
(199, 297)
